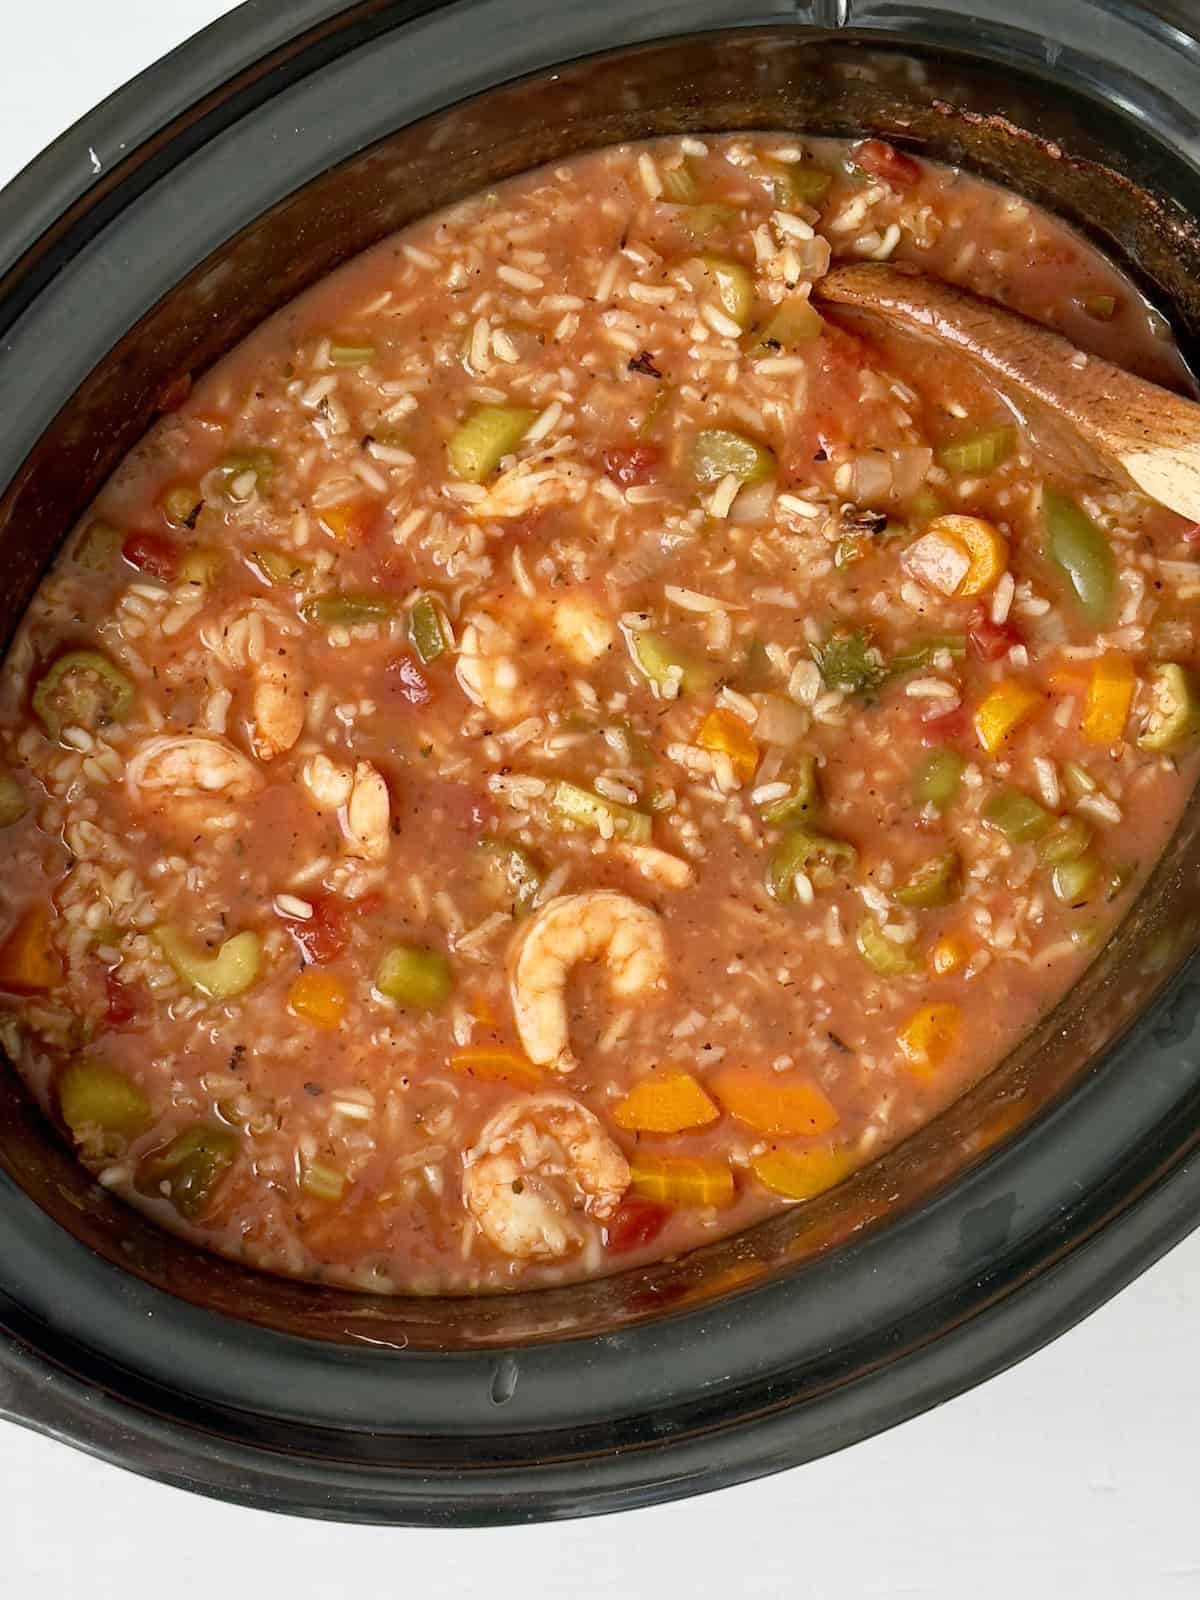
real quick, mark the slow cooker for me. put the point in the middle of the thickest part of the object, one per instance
(137, 250)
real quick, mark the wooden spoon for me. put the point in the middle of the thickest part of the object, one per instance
(1148, 434)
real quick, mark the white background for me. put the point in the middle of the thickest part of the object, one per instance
(1072, 1476)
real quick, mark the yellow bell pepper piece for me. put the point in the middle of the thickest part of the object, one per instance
(984, 546)
(1109, 697)
(683, 1181)
(27, 963)
(999, 712)
(801, 1174)
(725, 732)
(948, 955)
(319, 998)
(668, 1104)
(929, 1035)
(497, 1063)
(771, 1103)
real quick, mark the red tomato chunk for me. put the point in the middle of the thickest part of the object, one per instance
(635, 1223)
(885, 162)
(152, 554)
(323, 935)
(632, 464)
(122, 1007)
(991, 640)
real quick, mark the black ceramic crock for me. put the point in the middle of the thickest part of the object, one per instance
(137, 249)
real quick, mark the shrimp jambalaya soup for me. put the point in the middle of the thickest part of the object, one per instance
(558, 748)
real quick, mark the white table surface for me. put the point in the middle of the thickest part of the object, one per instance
(1071, 1476)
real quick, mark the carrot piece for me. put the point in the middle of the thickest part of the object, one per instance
(497, 1063)
(665, 1105)
(683, 1181)
(726, 733)
(801, 1174)
(27, 963)
(1109, 697)
(771, 1103)
(319, 998)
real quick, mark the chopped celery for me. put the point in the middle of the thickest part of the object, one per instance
(793, 323)
(1017, 816)
(418, 978)
(850, 662)
(604, 816)
(979, 452)
(797, 184)
(884, 955)
(510, 876)
(90, 1095)
(182, 504)
(425, 629)
(1066, 841)
(13, 804)
(663, 663)
(934, 883)
(703, 220)
(920, 653)
(243, 472)
(323, 1183)
(717, 452)
(98, 547)
(731, 282)
(817, 855)
(1100, 306)
(201, 565)
(281, 569)
(348, 610)
(230, 972)
(484, 437)
(680, 185)
(1073, 881)
(346, 351)
(1174, 715)
(189, 1170)
(804, 802)
(82, 690)
(938, 778)
(1081, 551)
(925, 505)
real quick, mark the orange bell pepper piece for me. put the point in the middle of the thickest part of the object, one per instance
(770, 1102)
(497, 1063)
(319, 998)
(349, 521)
(683, 1181)
(929, 1036)
(28, 965)
(801, 1174)
(1109, 697)
(999, 712)
(667, 1104)
(725, 732)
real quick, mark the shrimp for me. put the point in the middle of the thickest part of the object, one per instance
(278, 706)
(186, 765)
(570, 929)
(537, 1165)
(360, 797)
(487, 670)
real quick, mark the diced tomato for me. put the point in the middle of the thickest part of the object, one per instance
(630, 464)
(991, 640)
(152, 554)
(122, 1007)
(634, 1224)
(406, 677)
(947, 726)
(323, 935)
(885, 162)
(175, 393)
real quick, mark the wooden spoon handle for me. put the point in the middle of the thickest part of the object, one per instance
(1150, 434)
